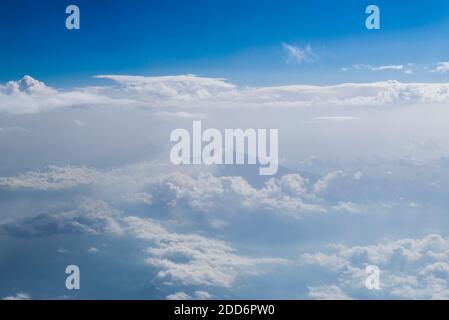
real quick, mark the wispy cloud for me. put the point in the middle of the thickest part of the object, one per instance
(394, 67)
(442, 67)
(331, 292)
(298, 55)
(19, 296)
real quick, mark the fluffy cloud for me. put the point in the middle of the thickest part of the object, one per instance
(193, 259)
(209, 193)
(182, 87)
(29, 95)
(185, 258)
(220, 197)
(123, 184)
(91, 217)
(192, 92)
(189, 259)
(410, 268)
(203, 192)
(51, 178)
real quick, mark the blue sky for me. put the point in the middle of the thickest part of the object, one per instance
(86, 178)
(239, 41)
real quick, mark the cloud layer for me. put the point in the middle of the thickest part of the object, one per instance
(410, 268)
(190, 92)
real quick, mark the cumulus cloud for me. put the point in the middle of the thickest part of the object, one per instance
(29, 95)
(184, 258)
(123, 184)
(192, 259)
(91, 217)
(179, 95)
(51, 178)
(209, 193)
(410, 268)
(189, 259)
(204, 192)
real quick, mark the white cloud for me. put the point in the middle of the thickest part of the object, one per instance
(202, 295)
(29, 95)
(202, 192)
(388, 67)
(358, 175)
(179, 95)
(346, 206)
(199, 295)
(51, 178)
(410, 268)
(193, 259)
(91, 217)
(139, 198)
(323, 184)
(394, 67)
(327, 293)
(208, 193)
(181, 87)
(189, 259)
(179, 296)
(442, 67)
(329, 261)
(298, 55)
(19, 296)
